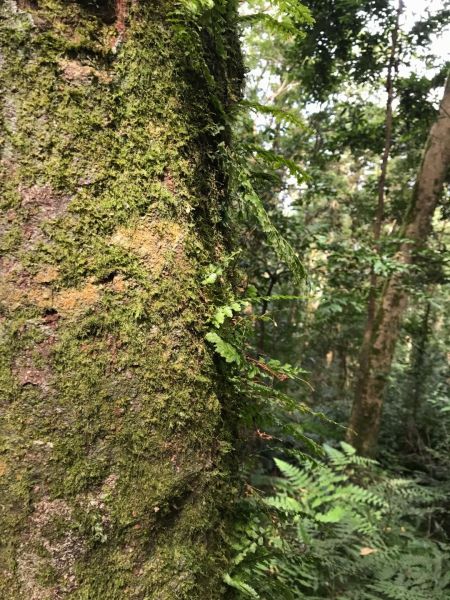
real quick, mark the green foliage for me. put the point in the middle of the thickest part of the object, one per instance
(254, 377)
(339, 528)
(226, 350)
(282, 247)
(295, 10)
(227, 311)
(197, 6)
(282, 115)
(336, 525)
(283, 18)
(277, 161)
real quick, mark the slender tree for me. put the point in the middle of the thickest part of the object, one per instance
(379, 216)
(366, 412)
(115, 417)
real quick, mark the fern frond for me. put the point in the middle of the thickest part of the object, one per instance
(241, 586)
(283, 249)
(298, 478)
(285, 20)
(277, 161)
(284, 503)
(280, 114)
(226, 350)
(196, 6)
(283, 28)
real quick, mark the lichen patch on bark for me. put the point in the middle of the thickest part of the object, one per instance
(76, 299)
(76, 72)
(156, 242)
(50, 552)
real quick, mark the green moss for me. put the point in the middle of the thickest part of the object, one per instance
(11, 239)
(113, 431)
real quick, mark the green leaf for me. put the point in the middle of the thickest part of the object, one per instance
(277, 161)
(224, 349)
(349, 450)
(211, 278)
(197, 6)
(332, 516)
(222, 312)
(280, 114)
(243, 587)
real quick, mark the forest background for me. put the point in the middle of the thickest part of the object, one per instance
(340, 111)
(224, 365)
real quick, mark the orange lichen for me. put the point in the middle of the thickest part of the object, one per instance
(76, 72)
(154, 241)
(119, 284)
(47, 275)
(18, 288)
(76, 299)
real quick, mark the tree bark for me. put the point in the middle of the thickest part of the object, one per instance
(416, 380)
(114, 468)
(367, 406)
(364, 354)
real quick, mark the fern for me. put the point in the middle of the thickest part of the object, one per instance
(283, 249)
(280, 114)
(284, 19)
(227, 311)
(328, 536)
(241, 586)
(284, 503)
(296, 10)
(297, 478)
(197, 6)
(277, 161)
(283, 28)
(226, 350)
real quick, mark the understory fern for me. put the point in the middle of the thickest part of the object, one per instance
(339, 528)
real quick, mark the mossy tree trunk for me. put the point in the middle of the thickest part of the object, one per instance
(116, 426)
(379, 349)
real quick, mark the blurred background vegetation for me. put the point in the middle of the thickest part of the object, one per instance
(340, 99)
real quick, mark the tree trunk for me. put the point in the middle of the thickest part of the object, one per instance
(417, 379)
(366, 412)
(392, 68)
(115, 417)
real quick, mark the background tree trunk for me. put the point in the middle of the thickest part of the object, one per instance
(366, 412)
(374, 291)
(115, 419)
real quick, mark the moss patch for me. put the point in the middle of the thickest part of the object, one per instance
(113, 473)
